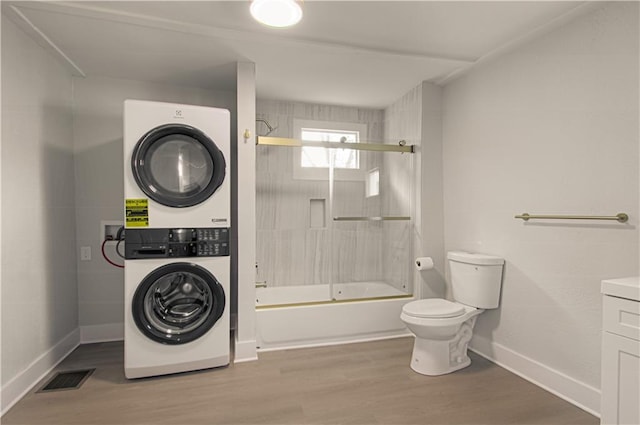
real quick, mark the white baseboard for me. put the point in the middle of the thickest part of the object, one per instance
(23, 382)
(102, 333)
(570, 389)
(245, 351)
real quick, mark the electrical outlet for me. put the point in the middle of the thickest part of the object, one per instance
(85, 253)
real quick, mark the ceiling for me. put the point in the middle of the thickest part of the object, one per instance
(361, 53)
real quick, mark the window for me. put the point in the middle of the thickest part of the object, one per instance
(312, 163)
(320, 157)
(372, 187)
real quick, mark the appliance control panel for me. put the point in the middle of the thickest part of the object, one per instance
(176, 243)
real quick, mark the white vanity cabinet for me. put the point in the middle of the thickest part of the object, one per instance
(620, 380)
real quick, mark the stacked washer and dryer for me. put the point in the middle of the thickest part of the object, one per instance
(177, 220)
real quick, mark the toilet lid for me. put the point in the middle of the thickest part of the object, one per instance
(433, 307)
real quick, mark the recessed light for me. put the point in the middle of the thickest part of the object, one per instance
(276, 13)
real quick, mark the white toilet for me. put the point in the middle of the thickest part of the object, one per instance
(443, 328)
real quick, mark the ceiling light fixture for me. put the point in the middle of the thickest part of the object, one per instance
(276, 13)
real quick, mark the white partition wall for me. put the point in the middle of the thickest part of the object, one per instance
(244, 253)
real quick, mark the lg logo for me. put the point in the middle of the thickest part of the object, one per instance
(178, 113)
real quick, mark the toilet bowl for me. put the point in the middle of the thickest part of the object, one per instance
(443, 328)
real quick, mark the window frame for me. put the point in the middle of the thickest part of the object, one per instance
(322, 173)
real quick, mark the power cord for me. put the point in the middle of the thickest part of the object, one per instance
(120, 239)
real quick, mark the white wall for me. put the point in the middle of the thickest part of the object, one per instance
(39, 291)
(551, 128)
(97, 135)
(243, 189)
(1, 20)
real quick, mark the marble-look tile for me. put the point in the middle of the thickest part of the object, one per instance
(400, 183)
(358, 251)
(318, 249)
(398, 259)
(280, 256)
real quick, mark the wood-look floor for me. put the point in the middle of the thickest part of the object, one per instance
(366, 383)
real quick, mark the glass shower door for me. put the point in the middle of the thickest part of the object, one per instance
(293, 240)
(372, 227)
(343, 232)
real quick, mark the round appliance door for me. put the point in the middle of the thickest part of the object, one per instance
(177, 165)
(177, 303)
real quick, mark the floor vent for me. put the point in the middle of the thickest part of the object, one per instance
(70, 380)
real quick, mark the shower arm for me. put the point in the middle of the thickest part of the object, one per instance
(269, 127)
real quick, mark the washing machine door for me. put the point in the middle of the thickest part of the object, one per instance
(177, 165)
(177, 303)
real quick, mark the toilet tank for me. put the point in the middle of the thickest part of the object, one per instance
(475, 278)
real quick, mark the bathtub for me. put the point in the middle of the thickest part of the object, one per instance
(306, 316)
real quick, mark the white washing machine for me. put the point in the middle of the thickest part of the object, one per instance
(176, 300)
(176, 165)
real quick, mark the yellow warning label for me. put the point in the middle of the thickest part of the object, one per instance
(136, 212)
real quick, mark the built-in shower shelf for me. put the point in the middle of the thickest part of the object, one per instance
(385, 218)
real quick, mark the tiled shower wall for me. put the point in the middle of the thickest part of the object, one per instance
(403, 121)
(292, 251)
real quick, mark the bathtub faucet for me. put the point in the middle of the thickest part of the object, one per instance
(261, 284)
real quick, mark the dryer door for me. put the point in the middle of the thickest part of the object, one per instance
(177, 165)
(177, 303)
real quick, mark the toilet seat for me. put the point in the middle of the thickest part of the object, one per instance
(433, 308)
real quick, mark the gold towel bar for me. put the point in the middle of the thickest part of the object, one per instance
(621, 217)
